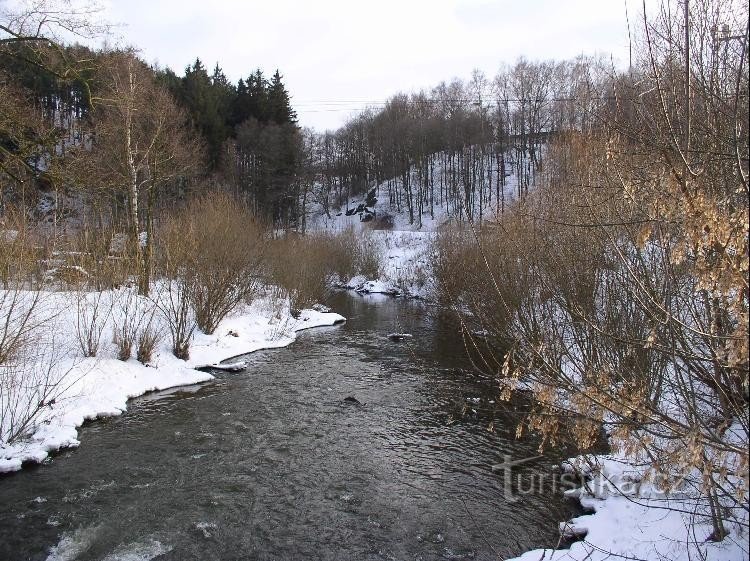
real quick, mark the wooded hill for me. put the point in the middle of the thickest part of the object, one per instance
(122, 138)
(69, 113)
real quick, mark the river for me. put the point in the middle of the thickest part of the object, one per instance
(273, 463)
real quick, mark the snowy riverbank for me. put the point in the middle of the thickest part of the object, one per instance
(642, 523)
(405, 269)
(633, 519)
(88, 388)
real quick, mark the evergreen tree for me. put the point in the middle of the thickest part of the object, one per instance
(257, 116)
(258, 96)
(279, 108)
(172, 82)
(208, 102)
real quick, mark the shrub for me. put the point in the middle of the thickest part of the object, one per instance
(148, 338)
(300, 265)
(307, 265)
(368, 256)
(172, 295)
(20, 252)
(484, 273)
(210, 255)
(100, 254)
(29, 383)
(92, 313)
(133, 316)
(228, 244)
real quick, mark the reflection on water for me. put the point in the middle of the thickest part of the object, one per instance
(273, 463)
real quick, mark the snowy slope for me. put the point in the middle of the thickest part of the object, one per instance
(643, 525)
(404, 244)
(441, 211)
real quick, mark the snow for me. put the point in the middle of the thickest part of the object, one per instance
(636, 525)
(446, 208)
(92, 387)
(252, 329)
(633, 519)
(377, 287)
(405, 267)
(642, 523)
(405, 243)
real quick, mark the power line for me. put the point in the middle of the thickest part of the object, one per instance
(331, 105)
(325, 106)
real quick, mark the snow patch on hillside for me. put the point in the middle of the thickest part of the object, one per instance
(405, 269)
(447, 203)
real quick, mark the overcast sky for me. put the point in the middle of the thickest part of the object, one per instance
(335, 55)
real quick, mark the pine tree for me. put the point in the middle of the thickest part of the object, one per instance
(279, 108)
(258, 96)
(208, 102)
(239, 107)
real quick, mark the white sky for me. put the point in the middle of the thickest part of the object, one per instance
(353, 51)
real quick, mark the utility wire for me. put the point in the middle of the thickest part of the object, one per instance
(339, 105)
(328, 106)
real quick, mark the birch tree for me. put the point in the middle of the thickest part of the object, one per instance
(142, 142)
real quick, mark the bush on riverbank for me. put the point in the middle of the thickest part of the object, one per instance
(306, 266)
(212, 258)
(623, 293)
(621, 282)
(216, 247)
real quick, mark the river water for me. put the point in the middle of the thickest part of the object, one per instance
(273, 463)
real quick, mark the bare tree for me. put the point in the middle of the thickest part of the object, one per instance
(634, 254)
(142, 143)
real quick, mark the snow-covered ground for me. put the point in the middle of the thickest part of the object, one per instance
(634, 520)
(447, 204)
(641, 524)
(405, 243)
(405, 269)
(82, 389)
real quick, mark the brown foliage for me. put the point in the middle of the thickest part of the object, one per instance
(306, 266)
(633, 259)
(210, 253)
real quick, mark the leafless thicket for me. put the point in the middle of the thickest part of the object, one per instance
(228, 245)
(306, 265)
(30, 383)
(210, 258)
(31, 358)
(32, 372)
(143, 144)
(620, 285)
